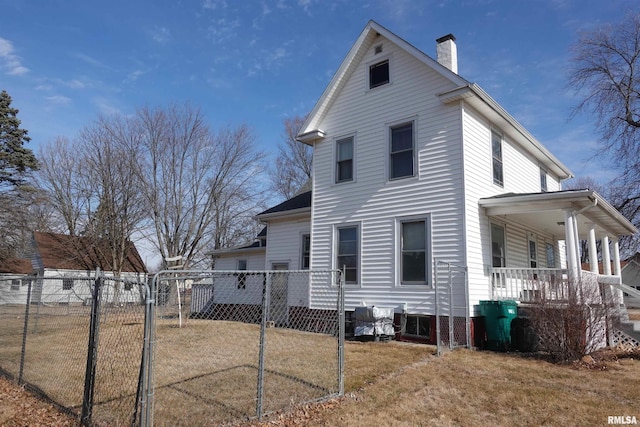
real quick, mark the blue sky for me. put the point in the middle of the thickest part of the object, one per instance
(64, 62)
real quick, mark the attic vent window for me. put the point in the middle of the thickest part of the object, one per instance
(379, 74)
(378, 49)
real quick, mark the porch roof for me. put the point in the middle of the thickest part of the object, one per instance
(545, 211)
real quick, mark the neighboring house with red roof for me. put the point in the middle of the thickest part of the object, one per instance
(61, 268)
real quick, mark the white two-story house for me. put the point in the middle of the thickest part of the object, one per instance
(416, 169)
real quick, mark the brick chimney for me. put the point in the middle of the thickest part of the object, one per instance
(447, 52)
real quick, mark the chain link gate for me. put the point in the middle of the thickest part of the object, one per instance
(453, 327)
(76, 341)
(224, 346)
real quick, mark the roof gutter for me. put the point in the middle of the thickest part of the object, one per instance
(472, 90)
(293, 213)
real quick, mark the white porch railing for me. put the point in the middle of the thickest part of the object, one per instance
(550, 284)
(529, 284)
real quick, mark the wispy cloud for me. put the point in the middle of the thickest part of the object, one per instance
(9, 61)
(223, 29)
(90, 60)
(134, 75)
(305, 5)
(105, 106)
(160, 34)
(58, 100)
(214, 4)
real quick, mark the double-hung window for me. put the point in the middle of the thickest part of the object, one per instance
(344, 160)
(347, 252)
(496, 150)
(543, 180)
(242, 277)
(401, 151)
(498, 258)
(306, 252)
(414, 248)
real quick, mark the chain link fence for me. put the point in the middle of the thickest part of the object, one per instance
(452, 307)
(77, 341)
(236, 345)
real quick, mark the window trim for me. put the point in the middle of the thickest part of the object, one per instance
(418, 318)
(337, 140)
(336, 244)
(389, 130)
(428, 283)
(544, 185)
(377, 63)
(302, 251)
(551, 246)
(241, 279)
(533, 257)
(501, 159)
(504, 243)
(377, 58)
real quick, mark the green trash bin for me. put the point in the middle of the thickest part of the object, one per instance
(498, 316)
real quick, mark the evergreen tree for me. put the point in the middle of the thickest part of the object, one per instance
(15, 159)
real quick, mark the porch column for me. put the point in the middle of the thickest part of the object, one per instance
(570, 237)
(593, 249)
(617, 269)
(606, 257)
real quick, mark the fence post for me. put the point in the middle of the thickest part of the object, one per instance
(92, 353)
(341, 327)
(24, 332)
(451, 311)
(435, 289)
(466, 308)
(266, 297)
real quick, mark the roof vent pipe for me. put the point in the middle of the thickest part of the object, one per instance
(447, 52)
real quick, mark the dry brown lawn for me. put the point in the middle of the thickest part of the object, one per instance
(206, 374)
(468, 388)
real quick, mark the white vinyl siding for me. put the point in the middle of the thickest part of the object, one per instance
(521, 175)
(284, 241)
(376, 202)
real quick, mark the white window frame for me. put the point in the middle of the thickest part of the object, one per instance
(336, 243)
(428, 283)
(504, 243)
(338, 139)
(414, 155)
(533, 256)
(241, 282)
(302, 252)
(376, 59)
(495, 132)
(544, 185)
(550, 246)
(419, 318)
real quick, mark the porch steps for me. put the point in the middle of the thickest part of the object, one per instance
(627, 332)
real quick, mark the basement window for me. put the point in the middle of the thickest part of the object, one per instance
(418, 326)
(67, 284)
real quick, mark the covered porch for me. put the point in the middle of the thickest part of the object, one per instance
(566, 218)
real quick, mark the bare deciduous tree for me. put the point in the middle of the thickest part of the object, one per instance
(109, 172)
(59, 176)
(293, 166)
(197, 184)
(605, 73)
